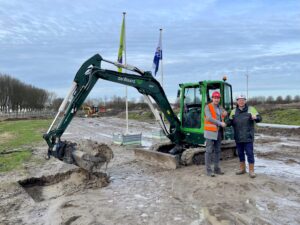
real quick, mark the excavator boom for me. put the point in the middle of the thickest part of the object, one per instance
(84, 81)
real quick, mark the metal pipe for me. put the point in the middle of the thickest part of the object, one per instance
(125, 66)
(156, 114)
(63, 105)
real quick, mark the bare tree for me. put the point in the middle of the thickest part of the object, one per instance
(270, 99)
(16, 95)
(288, 99)
(279, 99)
(50, 99)
(297, 98)
(56, 103)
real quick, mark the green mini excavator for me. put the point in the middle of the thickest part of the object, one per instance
(185, 130)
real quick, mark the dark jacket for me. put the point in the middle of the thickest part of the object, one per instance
(242, 123)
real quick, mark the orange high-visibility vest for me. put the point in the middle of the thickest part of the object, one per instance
(209, 126)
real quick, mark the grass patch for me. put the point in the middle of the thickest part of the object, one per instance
(282, 116)
(14, 160)
(14, 134)
(141, 116)
(6, 137)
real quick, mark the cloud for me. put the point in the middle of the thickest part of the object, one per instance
(44, 42)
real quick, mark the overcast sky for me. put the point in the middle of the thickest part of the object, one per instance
(44, 42)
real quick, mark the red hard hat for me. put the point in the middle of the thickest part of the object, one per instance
(216, 94)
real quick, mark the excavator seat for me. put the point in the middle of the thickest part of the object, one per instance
(192, 118)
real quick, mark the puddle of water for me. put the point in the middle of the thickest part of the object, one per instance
(277, 168)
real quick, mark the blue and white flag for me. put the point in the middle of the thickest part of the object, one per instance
(157, 56)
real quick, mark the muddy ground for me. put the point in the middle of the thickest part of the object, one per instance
(52, 192)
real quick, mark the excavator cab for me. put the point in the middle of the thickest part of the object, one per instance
(193, 99)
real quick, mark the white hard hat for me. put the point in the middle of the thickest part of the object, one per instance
(241, 96)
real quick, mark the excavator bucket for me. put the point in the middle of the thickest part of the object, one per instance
(87, 154)
(157, 159)
(158, 156)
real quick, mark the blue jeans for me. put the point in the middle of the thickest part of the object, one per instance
(245, 147)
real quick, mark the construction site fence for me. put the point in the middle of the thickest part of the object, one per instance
(28, 114)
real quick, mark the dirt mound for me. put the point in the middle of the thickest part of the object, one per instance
(96, 149)
(90, 155)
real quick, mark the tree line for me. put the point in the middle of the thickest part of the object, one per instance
(118, 103)
(271, 100)
(16, 95)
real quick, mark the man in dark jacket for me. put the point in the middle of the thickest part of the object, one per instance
(243, 118)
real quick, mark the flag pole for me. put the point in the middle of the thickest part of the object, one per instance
(161, 69)
(126, 89)
(247, 77)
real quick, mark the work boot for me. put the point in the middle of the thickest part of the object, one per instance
(219, 171)
(242, 169)
(251, 170)
(210, 174)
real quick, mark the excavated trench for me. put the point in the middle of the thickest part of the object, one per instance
(88, 175)
(53, 186)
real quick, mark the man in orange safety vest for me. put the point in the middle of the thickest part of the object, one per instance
(213, 124)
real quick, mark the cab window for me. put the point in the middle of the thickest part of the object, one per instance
(212, 87)
(227, 97)
(192, 107)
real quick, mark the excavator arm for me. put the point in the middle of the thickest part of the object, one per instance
(84, 81)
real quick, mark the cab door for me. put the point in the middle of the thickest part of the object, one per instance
(191, 111)
(227, 99)
(190, 114)
(227, 103)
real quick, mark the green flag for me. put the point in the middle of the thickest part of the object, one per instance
(121, 48)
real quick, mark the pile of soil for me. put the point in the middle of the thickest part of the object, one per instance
(91, 155)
